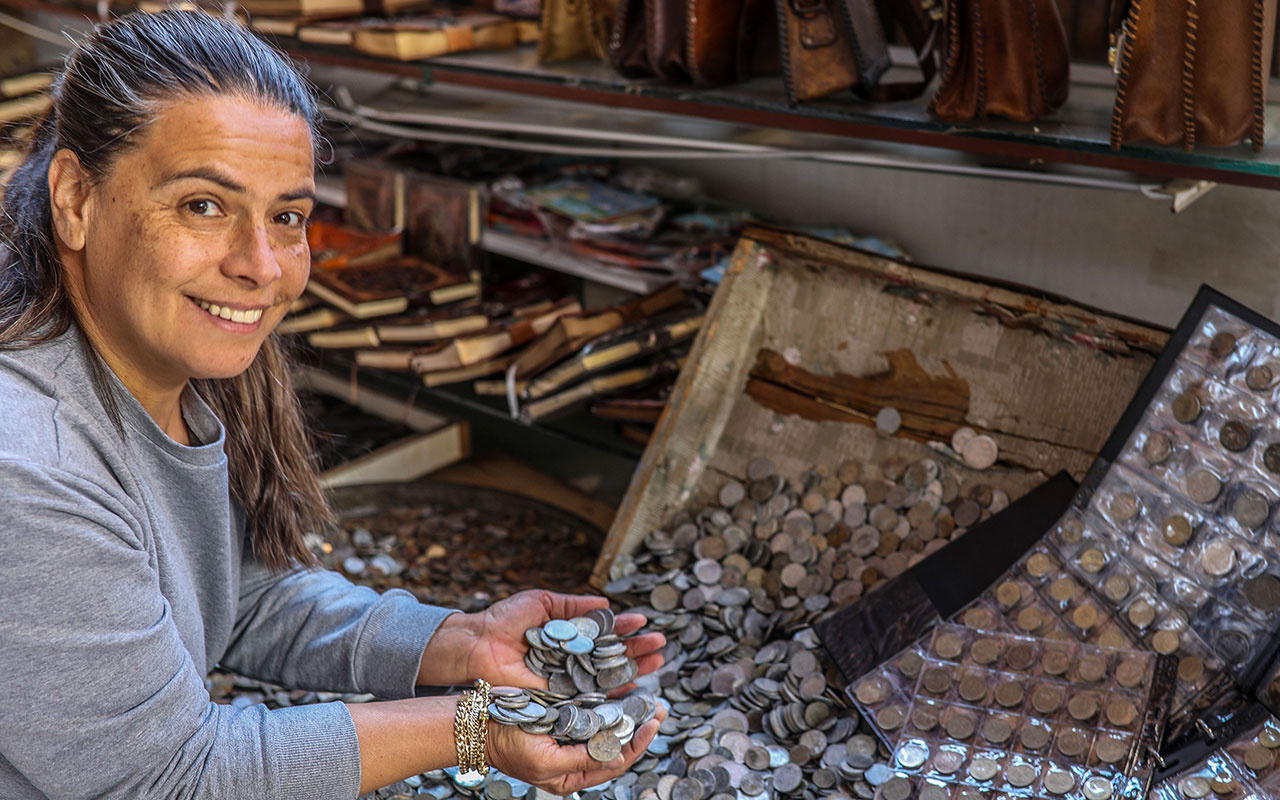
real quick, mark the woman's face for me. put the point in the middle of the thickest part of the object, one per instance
(195, 242)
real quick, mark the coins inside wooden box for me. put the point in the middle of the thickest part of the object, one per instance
(1259, 377)
(1186, 407)
(1157, 448)
(1235, 436)
(1177, 530)
(1263, 592)
(1203, 486)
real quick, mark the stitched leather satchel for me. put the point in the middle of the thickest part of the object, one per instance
(664, 34)
(574, 29)
(1189, 73)
(1005, 58)
(627, 50)
(730, 40)
(827, 48)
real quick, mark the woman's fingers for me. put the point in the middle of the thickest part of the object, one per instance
(597, 773)
(629, 622)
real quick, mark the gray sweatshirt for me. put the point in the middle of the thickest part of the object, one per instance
(125, 575)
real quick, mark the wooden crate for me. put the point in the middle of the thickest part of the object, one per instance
(807, 340)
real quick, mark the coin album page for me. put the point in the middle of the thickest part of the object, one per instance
(1017, 716)
(1246, 769)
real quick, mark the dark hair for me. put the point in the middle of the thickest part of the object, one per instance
(114, 83)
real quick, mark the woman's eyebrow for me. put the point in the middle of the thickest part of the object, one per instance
(214, 176)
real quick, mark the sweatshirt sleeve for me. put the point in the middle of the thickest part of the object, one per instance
(314, 629)
(100, 698)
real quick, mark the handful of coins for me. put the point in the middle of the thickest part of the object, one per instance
(582, 659)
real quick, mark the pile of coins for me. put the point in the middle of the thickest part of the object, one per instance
(606, 728)
(580, 656)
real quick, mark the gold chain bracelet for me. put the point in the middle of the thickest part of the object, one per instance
(470, 727)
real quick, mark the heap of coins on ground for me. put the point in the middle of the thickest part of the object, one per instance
(582, 659)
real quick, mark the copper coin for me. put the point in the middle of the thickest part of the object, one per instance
(1093, 560)
(1092, 668)
(1009, 694)
(1224, 785)
(1190, 668)
(1221, 345)
(1116, 588)
(1020, 657)
(1218, 558)
(1259, 378)
(1030, 619)
(1020, 775)
(1269, 737)
(1203, 486)
(1072, 744)
(1085, 616)
(948, 646)
(1121, 713)
(910, 664)
(872, 691)
(1271, 458)
(1235, 436)
(1263, 592)
(1039, 564)
(1250, 509)
(1046, 699)
(979, 619)
(1111, 750)
(1008, 594)
(890, 718)
(983, 769)
(1259, 758)
(1034, 737)
(1165, 642)
(959, 726)
(1063, 589)
(973, 688)
(1157, 448)
(985, 651)
(1083, 707)
(1113, 638)
(1141, 613)
(924, 719)
(1058, 781)
(1130, 672)
(937, 680)
(1056, 662)
(1186, 407)
(1072, 531)
(1177, 530)
(947, 762)
(996, 730)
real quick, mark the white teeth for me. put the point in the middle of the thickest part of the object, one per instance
(234, 315)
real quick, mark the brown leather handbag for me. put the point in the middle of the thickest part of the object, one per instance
(828, 46)
(730, 40)
(1005, 58)
(627, 50)
(574, 29)
(664, 37)
(1189, 75)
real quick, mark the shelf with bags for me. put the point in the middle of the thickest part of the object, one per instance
(1076, 137)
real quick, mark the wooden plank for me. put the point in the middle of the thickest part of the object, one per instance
(405, 460)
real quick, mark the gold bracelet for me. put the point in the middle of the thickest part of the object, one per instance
(470, 728)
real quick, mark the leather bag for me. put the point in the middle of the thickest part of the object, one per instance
(1189, 73)
(828, 46)
(730, 40)
(628, 52)
(574, 29)
(1004, 58)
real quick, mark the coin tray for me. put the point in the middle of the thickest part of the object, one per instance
(1218, 766)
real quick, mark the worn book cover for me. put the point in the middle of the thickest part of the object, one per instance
(416, 37)
(599, 385)
(375, 196)
(444, 220)
(389, 287)
(496, 340)
(589, 200)
(334, 245)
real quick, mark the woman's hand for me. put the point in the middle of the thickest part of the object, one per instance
(561, 769)
(490, 644)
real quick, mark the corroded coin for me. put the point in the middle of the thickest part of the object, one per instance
(1121, 713)
(1020, 775)
(1008, 594)
(973, 688)
(1157, 448)
(1259, 758)
(1046, 699)
(1085, 616)
(1203, 486)
(1190, 668)
(1235, 436)
(1250, 509)
(1092, 668)
(1222, 344)
(894, 789)
(1058, 781)
(948, 646)
(979, 619)
(1263, 592)
(911, 664)
(1271, 458)
(959, 726)
(1111, 750)
(1030, 619)
(996, 730)
(985, 650)
(1116, 588)
(1093, 560)
(1177, 530)
(983, 769)
(1165, 642)
(980, 452)
(1040, 565)
(1020, 657)
(1186, 407)
(1009, 694)
(1072, 744)
(1130, 672)
(1141, 613)
(1083, 707)
(1034, 737)
(1259, 377)
(946, 762)
(604, 746)
(1218, 558)
(1056, 662)
(937, 680)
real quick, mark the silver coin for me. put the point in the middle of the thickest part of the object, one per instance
(912, 755)
(560, 630)
(1097, 788)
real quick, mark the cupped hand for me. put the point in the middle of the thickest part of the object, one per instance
(490, 644)
(561, 769)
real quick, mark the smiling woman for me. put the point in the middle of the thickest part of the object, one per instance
(156, 474)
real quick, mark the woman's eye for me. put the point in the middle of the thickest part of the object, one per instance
(203, 208)
(293, 219)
